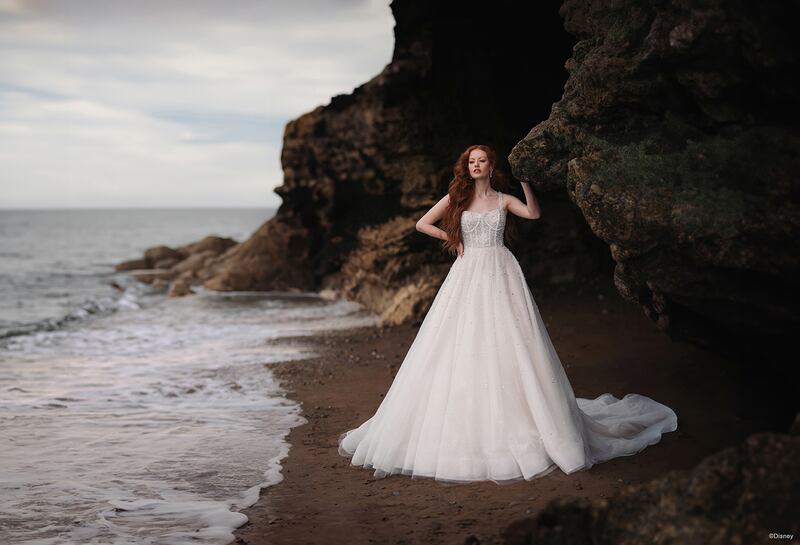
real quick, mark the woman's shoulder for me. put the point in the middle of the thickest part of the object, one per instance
(507, 198)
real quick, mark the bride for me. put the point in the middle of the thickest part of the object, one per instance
(481, 393)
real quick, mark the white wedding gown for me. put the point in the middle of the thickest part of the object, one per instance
(481, 393)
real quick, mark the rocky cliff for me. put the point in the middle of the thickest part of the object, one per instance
(672, 151)
(361, 170)
(667, 166)
(677, 138)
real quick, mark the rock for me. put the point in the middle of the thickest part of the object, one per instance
(132, 265)
(276, 257)
(679, 150)
(149, 275)
(166, 263)
(214, 244)
(738, 495)
(195, 262)
(389, 274)
(158, 253)
(197, 258)
(182, 285)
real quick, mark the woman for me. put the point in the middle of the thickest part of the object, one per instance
(481, 393)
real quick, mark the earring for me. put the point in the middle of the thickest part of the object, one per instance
(491, 171)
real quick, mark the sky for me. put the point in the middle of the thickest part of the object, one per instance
(169, 103)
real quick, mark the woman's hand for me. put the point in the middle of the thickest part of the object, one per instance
(460, 249)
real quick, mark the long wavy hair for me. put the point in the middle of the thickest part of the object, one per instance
(461, 191)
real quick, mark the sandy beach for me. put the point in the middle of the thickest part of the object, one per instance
(605, 344)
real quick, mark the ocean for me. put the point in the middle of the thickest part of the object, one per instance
(127, 416)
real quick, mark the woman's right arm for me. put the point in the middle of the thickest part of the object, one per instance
(426, 222)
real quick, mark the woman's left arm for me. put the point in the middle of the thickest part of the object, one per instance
(528, 210)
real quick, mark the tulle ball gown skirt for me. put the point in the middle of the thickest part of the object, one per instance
(482, 394)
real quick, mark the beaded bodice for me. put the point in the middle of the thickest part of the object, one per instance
(483, 229)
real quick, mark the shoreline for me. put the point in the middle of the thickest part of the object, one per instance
(605, 343)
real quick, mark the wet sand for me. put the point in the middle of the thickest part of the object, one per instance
(605, 344)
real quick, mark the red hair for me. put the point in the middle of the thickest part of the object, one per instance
(461, 191)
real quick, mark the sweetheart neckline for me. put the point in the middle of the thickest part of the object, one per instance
(486, 212)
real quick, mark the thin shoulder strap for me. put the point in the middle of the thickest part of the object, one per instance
(501, 199)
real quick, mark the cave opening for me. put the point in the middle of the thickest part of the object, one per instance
(497, 68)
(495, 72)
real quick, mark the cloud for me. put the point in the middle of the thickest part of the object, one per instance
(169, 103)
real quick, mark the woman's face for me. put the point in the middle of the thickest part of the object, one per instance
(478, 164)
